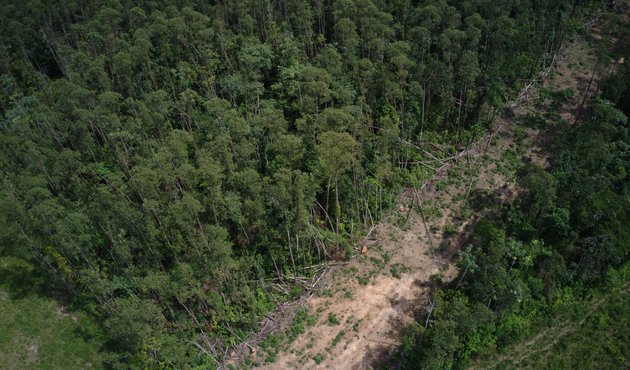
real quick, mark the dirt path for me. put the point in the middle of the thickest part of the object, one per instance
(374, 296)
(357, 321)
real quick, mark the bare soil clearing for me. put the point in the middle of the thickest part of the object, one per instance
(371, 298)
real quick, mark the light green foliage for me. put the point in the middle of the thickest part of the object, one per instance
(38, 332)
(581, 331)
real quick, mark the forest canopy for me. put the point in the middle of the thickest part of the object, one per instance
(163, 161)
(543, 281)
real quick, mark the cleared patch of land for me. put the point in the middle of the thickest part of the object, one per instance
(356, 321)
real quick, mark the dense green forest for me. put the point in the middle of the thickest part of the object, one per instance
(545, 280)
(550, 251)
(164, 161)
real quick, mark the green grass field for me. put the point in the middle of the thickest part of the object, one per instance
(36, 332)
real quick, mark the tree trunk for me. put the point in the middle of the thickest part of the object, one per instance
(337, 206)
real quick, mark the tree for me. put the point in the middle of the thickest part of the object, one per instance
(337, 153)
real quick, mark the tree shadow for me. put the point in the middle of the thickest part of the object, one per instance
(19, 278)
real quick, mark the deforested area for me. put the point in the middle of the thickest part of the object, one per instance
(313, 184)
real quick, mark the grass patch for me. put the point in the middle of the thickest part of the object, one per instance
(37, 332)
(449, 230)
(338, 338)
(318, 358)
(394, 271)
(378, 262)
(332, 319)
(363, 280)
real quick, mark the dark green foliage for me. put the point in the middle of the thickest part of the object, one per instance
(332, 320)
(162, 160)
(565, 235)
